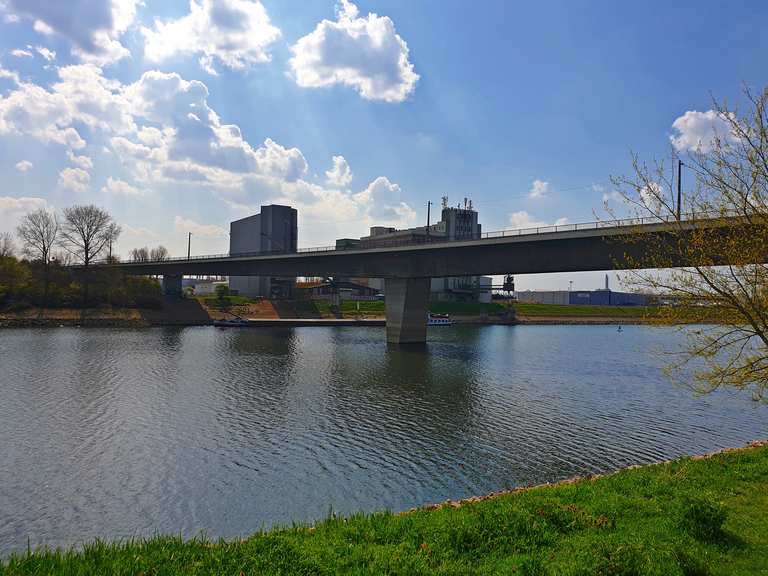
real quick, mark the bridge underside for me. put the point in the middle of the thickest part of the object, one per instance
(407, 269)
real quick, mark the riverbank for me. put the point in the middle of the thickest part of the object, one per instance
(203, 311)
(701, 515)
(172, 313)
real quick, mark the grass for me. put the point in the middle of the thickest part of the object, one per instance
(584, 310)
(213, 301)
(454, 308)
(688, 517)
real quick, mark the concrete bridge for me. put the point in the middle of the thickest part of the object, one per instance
(407, 270)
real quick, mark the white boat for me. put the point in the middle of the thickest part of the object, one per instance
(439, 320)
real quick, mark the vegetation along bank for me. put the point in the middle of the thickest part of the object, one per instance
(691, 516)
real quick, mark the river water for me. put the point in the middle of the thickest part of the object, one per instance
(202, 431)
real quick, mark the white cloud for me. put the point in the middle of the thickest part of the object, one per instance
(184, 225)
(81, 96)
(163, 134)
(19, 53)
(83, 162)
(381, 201)
(539, 189)
(340, 174)
(698, 130)
(24, 166)
(93, 26)
(12, 209)
(194, 144)
(652, 196)
(74, 179)
(236, 33)
(47, 53)
(364, 53)
(522, 220)
(119, 187)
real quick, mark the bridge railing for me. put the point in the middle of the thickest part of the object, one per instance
(596, 225)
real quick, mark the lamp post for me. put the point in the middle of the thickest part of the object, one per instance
(189, 245)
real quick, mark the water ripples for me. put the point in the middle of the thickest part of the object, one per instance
(125, 433)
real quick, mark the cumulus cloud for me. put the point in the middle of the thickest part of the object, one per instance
(47, 53)
(162, 132)
(652, 196)
(184, 225)
(698, 130)
(522, 220)
(539, 189)
(74, 179)
(364, 53)
(340, 174)
(24, 166)
(81, 96)
(19, 53)
(118, 187)
(381, 202)
(195, 142)
(93, 26)
(235, 33)
(12, 209)
(83, 162)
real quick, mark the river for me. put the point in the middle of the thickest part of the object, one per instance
(117, 433)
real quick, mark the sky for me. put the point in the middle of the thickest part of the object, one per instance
(181, 116)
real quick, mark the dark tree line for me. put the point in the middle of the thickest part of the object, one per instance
(37, 275)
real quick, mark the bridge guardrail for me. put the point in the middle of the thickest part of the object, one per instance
(597, 225)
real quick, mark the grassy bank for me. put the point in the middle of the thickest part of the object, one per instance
(576, 310)
(688, 517)
(453, 308)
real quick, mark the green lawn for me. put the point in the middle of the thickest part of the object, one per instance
(584, 310)
(689, 517)
(214, 302)
(454, 308)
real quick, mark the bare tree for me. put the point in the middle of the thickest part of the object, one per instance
(140, 254)
(39, 232)
(7, 248)
(731, 183)
(87, 231)
(159, 253)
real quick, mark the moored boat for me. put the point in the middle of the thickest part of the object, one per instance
(439, 320)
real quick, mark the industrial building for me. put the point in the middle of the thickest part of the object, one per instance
(274, 229)
(600, 297)
(456, 223)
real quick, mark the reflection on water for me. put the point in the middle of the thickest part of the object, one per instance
(120, 433)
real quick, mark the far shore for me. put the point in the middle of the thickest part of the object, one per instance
(204, 311)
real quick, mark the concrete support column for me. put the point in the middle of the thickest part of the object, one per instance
(172, 285)
(406, 304)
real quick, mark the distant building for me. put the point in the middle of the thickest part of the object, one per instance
(274, 229)
(602, 297)
(341, 290)
(456, 223)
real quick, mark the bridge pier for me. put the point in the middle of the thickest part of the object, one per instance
(406, 306)
(172, 285)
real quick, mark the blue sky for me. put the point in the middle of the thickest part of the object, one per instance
(181, 117)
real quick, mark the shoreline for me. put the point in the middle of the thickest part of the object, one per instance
(139, 321)
(694, 514)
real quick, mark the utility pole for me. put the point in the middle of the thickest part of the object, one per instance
(189, 245)
(679, 188)
(429, 204)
